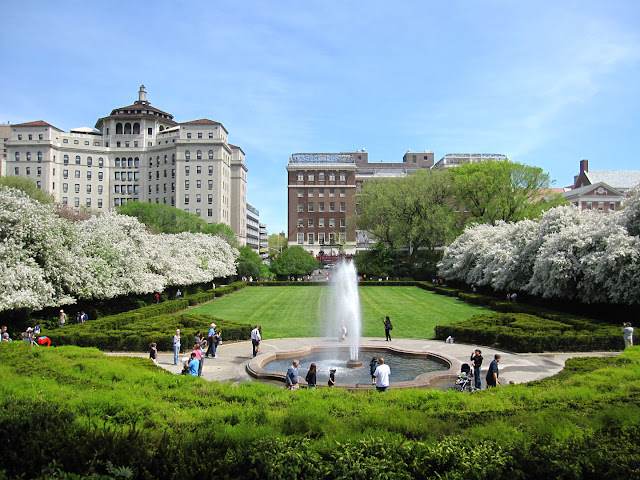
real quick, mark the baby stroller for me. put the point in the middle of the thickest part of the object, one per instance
(464, 382)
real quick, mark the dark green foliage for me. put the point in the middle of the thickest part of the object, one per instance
(522, 332)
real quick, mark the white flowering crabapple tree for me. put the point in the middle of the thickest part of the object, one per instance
(46, 260)
(567, 254)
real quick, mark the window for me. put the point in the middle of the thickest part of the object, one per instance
(210, 212)
(198, 169)
(65, 200)
(601, 206)
(332, 207)
(589, 206)
(311, 192)
(199, 153)
(186, 184)
(99, 203)
(343, 222)
(210, 170)
(66, 140)
(199, 134)
(310, 207)
(301, 192)
(65, 159)
(310, 177)
(210, 184)
(343, 177)
(28, 156)
(198, 184)
(210, 199)
(310, 222)
(321, 177)
(65, 174)
(321, 207)
(39, 171)
(198, 211)
(300, 238)
(332, 238)
(210, 134)
(77, 188)
(149, 131)
(210, 154)
(40, 136)
(77, 174)
(321, 192)
(332, 177)
(100, 189)
(88, 188)
(89, 161)
(19, 136)
(76, 202)
(89, 175)
(343, 192)
(300, 223)
(28, 171)
(343, 207)
(118, 144)
(187, 155)
(332, 223)
(198, 198)
(300, 177)
(99, 175)
(118, 162)
(126, 144)
(65, 187)
(186, 199)
(39, 157)
(188, 135)
(300, 206)
(186, 170)
(311, 238)
(343, 237)
(612, 206)
(321, 238)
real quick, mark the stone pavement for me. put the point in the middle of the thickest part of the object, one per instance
(234, 357)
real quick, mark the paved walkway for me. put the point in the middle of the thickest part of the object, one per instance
(233, 358)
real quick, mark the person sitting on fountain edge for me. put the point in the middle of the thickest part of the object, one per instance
(373, 364)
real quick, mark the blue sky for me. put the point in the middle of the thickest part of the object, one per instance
(546, 83)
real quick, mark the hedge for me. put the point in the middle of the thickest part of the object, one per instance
(522, 332)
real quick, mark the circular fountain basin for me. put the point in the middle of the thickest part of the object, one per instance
(408, 369)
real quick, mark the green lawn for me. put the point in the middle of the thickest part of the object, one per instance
(298, 311)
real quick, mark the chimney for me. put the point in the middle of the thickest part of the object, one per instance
(584, 166)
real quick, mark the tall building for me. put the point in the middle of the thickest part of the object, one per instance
(321, 196)
(253, 228)
(5, 134)
(138, 153)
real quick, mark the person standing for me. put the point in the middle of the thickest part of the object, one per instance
(476, 359)
(291, 380)
(628, 335)
(153, 353)
(387, 328)
(176, 347)
(256, 338)
(382, 375)
(83, 317)
(63, 318)
(157, 298)
(332, 378)
(210, 335)
(493, 374)
(373, 364)
(178, 295)
(311, 376)
(37, 328)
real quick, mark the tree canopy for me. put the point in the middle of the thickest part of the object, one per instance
(294, 261)
(27, 186)
(277, 243)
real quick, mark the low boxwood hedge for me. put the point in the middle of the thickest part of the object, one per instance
(522, 332)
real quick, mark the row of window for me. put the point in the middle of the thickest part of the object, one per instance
(311, 238)
(589, 206)
(76, 202)
(127, 189)
(311, 192)
(321, 177)
(187, 184)
(76, 142)
(173, 188)
(65, 174)
(28, 155)
(40, 136)
(65, 188)
(321, 224)
(128, 176)
(200, 135)
(332, 207)
(187, 155)
(65, 160)
(187, 199)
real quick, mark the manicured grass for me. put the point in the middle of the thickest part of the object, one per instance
(298, 311)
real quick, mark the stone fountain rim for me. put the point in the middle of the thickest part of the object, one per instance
(255, 366)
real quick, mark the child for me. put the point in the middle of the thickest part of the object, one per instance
(332, 377)
(153, 353)
(373, 364)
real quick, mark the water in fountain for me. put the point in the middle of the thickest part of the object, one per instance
(343, 309)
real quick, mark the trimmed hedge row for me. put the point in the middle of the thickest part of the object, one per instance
(522, 332)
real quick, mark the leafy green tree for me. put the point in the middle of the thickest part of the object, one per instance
(161, 218)
(378, 261)
(249, 263)
(27, 186)
(413, 211)
(502, 190)
(277, 244)
(294, 261)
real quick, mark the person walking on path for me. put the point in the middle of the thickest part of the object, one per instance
(311, 376)
(176, 347)
(63, 318)
(153, 353)
(291, 380)
(628, 335)
(493, 374)
(382, 374)
(476, 359)
(256, 338)
(387, 328)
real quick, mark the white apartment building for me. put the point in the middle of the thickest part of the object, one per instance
(253, 228)
(137, 153)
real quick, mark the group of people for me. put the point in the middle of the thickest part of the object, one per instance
(32, 335)
(492, 374)
(202, 348)
(380, 375)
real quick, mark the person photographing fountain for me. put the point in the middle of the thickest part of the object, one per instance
(382, 375)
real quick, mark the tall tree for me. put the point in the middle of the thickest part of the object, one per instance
(294, 261)
(277, 243)
(502, 190)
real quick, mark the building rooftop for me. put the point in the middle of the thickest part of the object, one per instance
(322, 158)
(618, 179)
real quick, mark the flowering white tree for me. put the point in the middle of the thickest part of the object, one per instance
(567, 253)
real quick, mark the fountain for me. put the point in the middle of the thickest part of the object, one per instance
(343, 309)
